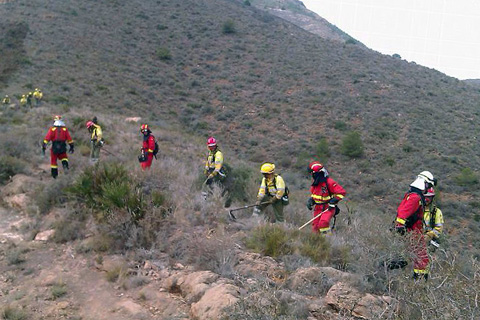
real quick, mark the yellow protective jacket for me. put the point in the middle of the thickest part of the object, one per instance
(433, 223)
(23, 100)
(38, 95)
(6, 100)
(96, 133)
(274, 187)
(214, 164)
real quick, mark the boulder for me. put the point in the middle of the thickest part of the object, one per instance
(18, 201)
(317, 279)
(214, 301)
(253, 264)
(191, 286)
(344, 298)
(372, 307)
(133, 119)
(20, 184)
(44, 235)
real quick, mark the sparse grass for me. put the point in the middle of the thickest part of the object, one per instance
(10, 166)
(115, 273)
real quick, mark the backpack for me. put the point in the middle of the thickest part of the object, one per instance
(285, 200)
(155, 150)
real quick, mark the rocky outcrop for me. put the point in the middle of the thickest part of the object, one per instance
(344, 298)
(214, 301)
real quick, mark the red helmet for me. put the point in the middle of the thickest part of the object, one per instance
(144, 127)
(315, 166)
(89, 124)
(430, 193)
(211, 142)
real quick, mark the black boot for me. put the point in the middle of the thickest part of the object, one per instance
(54, 173)
(65, 165)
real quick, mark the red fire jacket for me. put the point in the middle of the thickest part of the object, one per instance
(149, 144)
(327, 190)
(58, 134)
(410, 210)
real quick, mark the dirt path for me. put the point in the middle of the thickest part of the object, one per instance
(51, 281)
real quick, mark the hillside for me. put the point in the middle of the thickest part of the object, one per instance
(269, 91)
(295, 12)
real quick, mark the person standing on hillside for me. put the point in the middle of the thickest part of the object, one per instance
(148, 148)
(325, 195)
(38, 95)
(23, 100)
(214, 170)
(6, 100)
(432, 221)
(96, 139)
(59, 136)
(409, 221)
(272, 191)
(29, 99)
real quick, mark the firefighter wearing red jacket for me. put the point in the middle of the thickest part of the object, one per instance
(409, 221)
(325, 194)
(148, 147)
(59, 136)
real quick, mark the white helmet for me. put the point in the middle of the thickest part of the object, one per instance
(58, 123)
(422, 178)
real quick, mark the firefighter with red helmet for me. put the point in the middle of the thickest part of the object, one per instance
(432, 220)
(59, 136)
(409, 221)
(325, 195)
(148, 147)
(214, 169)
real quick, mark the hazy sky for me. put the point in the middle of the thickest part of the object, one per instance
(440, 34)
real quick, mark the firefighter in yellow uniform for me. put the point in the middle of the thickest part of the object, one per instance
(23, 100)
(38, 95)
(96, 139)
(214, 170)
(432, 221)
(273, 192)
(6, 100)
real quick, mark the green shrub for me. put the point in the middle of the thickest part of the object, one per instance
(58, 99)
(352, 145)
(314, 246)
(340, 125)
(163, 54)
(58, 290)
(10, 166)
(323, 151)
(467, 177)
(270, 240)
(228, 27)
(109, 187)
(13, 313)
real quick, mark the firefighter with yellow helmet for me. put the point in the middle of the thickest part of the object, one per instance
(272, 191)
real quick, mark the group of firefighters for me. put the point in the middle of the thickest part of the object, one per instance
(27, 98)
(417, 215)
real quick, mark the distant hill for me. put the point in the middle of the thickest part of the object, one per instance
(295, 12)
(268, 90)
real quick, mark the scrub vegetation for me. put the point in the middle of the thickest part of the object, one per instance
(268, 91)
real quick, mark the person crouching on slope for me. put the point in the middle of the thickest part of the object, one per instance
(271, 192)
(325, 195)
(409, 221)
(59, 136)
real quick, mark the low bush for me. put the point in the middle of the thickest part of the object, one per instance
(10, 166)
(13, 313)
(270, 240)
(352, 145)
(58, 290)
(467, 177)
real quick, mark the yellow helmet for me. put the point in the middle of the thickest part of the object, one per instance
(267, 167)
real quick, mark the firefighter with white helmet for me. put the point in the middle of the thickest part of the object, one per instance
(410, 215)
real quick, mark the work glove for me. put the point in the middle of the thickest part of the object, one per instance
(44, 147)
(257, 203)
(101, 143)
(434, 243)
(333, 201)
(430, 235)
(310, 203)
(71, 150)
(400, 228)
